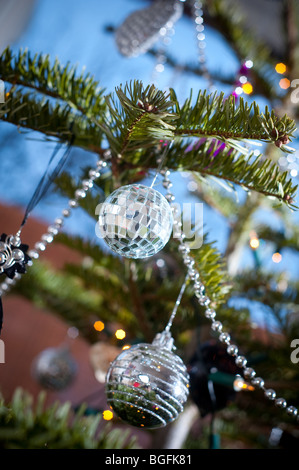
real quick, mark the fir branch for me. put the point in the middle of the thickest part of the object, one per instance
(142, 118)
(80, 92)
(264, 287)
(280, 238)
(250, 172)
(58, 121)
(139, 118)
(218, 199)
(229, 20)
(63, 294)
(216, 116)
(28, 425)
(276, 299)
(212, 268)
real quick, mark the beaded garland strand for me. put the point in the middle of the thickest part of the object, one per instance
(210, 313)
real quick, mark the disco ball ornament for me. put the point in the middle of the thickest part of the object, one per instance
(147, 385)
(54, 369)
(139, 32)
(135, 221)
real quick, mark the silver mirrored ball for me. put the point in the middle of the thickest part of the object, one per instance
(147, 386)
(135, 221)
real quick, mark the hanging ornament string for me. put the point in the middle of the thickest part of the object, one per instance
(161, 162)
(210, 313)
(47, 179)
(177, 304)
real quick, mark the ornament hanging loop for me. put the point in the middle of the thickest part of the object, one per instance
(165, 340)
(177, 304)
(162, 161)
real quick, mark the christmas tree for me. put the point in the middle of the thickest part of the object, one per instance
(226, 149)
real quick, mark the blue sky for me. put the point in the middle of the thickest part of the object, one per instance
(74, 31)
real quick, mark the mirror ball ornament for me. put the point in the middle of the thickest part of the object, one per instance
(139, 32)
(135, 221)
(54, 369)
(147, 385)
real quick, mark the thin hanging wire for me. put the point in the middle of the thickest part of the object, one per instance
(162, 161)
(177, 304)
(46, 181)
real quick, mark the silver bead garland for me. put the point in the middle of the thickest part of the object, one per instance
(53, 229)
(210, 313)
(201, 43)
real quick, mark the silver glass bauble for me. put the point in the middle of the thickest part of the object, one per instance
(135, 221)
(54, 369)
(147, 385)
(139, 32)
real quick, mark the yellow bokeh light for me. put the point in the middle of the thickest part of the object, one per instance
(281, 68)
(127, 346)
(99, 325)
(276, 258)
(284, 83)
(120, 334)
(254, 243)
(247, 88)
(107, 415)
(239, 385)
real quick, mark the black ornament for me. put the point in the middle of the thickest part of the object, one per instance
(13, 259)
(212, 371)
(13, 255)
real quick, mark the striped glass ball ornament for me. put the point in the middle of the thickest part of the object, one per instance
(135, 221)
(147, 385)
